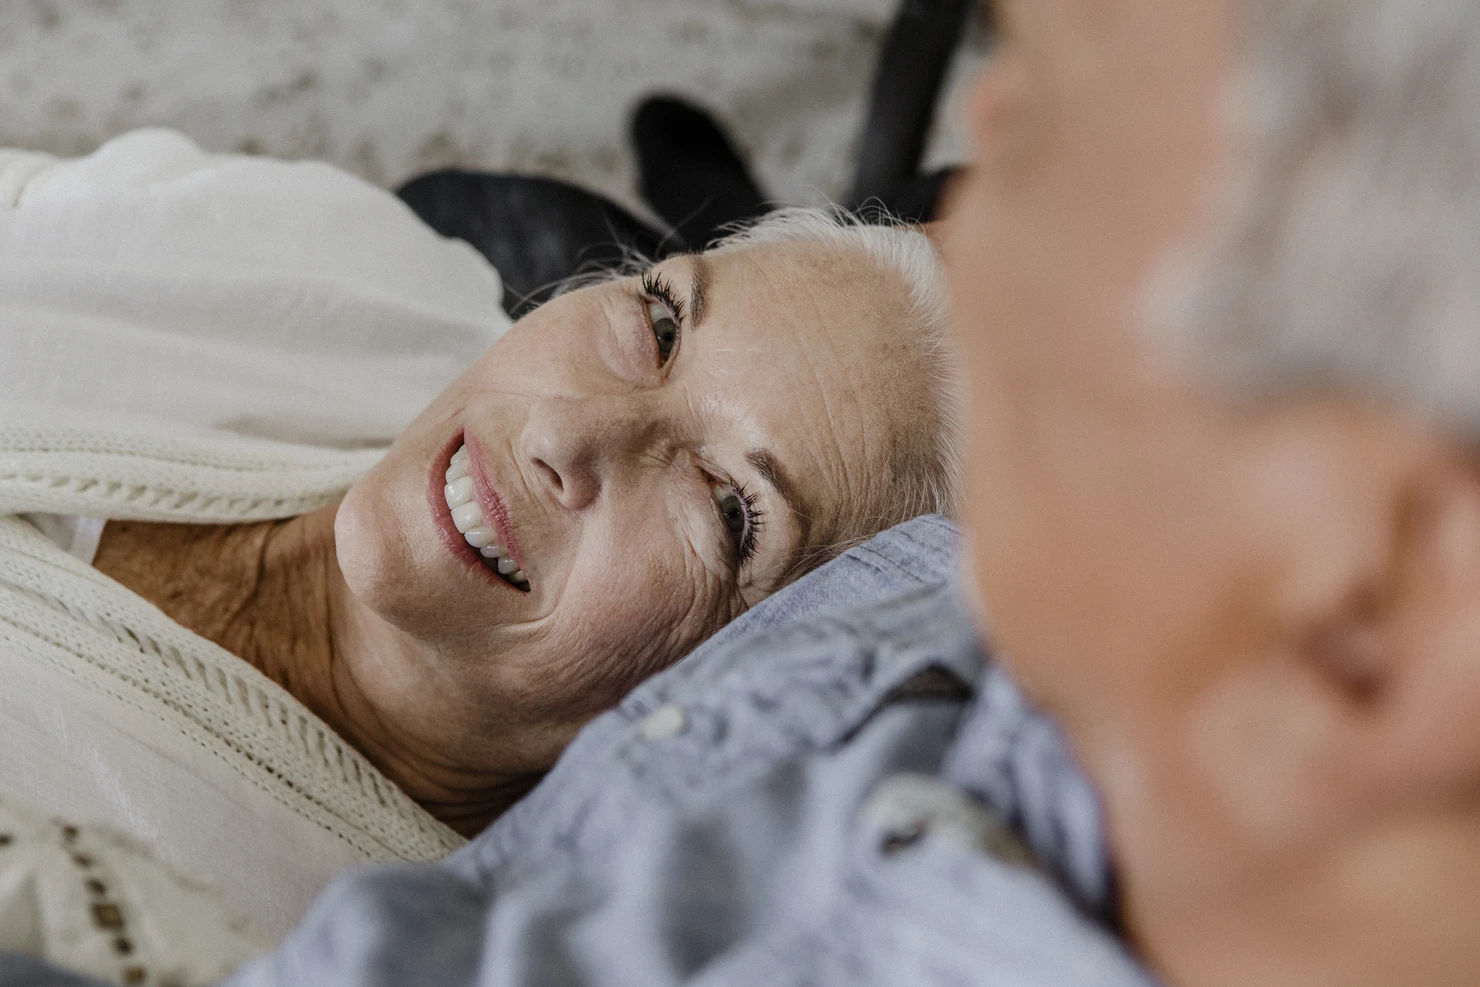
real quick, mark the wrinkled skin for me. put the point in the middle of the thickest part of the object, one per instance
(610, 463)
(1260, 627)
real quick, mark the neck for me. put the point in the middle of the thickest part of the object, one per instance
(1396, 905)
(272, 594)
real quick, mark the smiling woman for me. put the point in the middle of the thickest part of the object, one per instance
(629, 468)
(374, 551)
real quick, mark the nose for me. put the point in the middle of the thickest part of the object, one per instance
(576, 446)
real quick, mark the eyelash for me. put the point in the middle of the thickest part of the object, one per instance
(754, 520)
(654, 285)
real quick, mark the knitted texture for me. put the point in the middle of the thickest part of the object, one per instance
(58, 462)
(90, 628)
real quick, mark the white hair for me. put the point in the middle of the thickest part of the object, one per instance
(907, 252)
(1346, 254)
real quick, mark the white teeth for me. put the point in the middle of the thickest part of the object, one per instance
(467, 516)
(459, 467)
(459, 491)
(480, 537)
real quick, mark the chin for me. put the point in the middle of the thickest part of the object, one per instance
(376, 554)
(360, 544)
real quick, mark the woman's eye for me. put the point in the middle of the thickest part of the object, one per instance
(665, 329)
(732, 509)
(742, 521)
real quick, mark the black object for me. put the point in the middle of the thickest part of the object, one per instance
(695, 180)
(537, 232)
(917, 198)
(907, 83)
(690, 172)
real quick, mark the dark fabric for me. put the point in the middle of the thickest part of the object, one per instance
(23, 971)
(934, 684)
(690, 172)
(697, 182)
(537, 232)
(917, 199)
(907, 84)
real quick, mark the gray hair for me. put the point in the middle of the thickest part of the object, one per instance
(1346, 254)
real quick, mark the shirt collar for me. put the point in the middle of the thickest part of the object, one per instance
(1014, 758)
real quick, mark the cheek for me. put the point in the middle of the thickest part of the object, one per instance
(1003, 548)
(561, 346)
(999, 499)
(625, 616)
(393, 557)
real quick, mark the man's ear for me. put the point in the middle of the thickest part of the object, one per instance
(1366, 697)
(1418, 690)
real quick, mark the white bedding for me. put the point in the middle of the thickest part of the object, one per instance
(274, 299)
(75, 749)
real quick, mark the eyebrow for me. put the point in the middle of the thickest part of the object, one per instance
(697, 287)
(775, 477)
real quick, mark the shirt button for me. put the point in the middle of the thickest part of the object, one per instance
(907, 808)
(896, 840)
(663, 722)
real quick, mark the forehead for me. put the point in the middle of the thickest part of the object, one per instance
(840, 283)
(805, 350)
(804, 299)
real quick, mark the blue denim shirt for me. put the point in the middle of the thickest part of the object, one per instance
(817, 802)
(854, 798)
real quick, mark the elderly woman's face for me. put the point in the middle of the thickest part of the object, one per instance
(654, 455)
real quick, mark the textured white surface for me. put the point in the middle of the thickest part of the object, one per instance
(389, 88)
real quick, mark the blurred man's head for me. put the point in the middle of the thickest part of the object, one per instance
(1218, 278)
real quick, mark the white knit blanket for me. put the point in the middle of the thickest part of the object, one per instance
(201, 338)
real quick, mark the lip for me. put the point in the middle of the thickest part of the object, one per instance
(494, 511)
(493, 508)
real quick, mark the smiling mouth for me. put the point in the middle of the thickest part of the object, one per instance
(480, 533)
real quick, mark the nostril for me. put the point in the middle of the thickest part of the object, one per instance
(551, 476)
